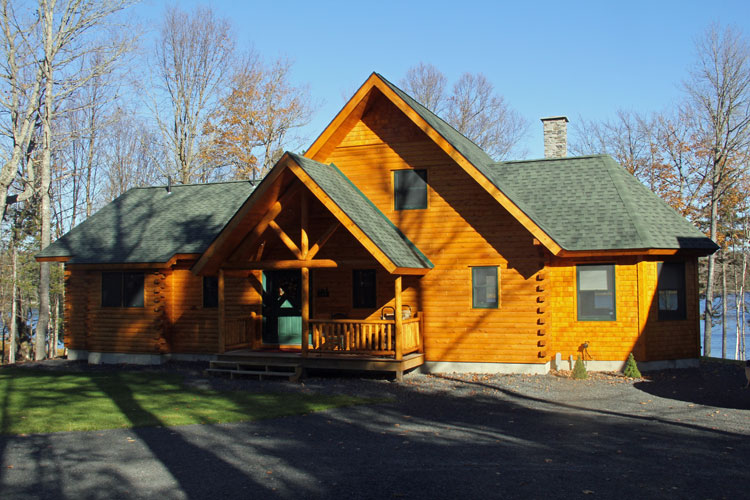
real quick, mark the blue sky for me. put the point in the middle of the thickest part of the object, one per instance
(579, 59)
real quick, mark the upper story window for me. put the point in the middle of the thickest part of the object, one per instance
(484, 287)
(596, 292)
(120, 289)
(210, 291)
(671, 291)
(409, 189)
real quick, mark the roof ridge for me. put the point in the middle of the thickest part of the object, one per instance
(164, 186)
(630, 209)
(540, 160)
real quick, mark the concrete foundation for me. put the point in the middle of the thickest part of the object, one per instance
(449, 367)
(113, 358)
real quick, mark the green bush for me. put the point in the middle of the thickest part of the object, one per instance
(579, 370)
(631, 368)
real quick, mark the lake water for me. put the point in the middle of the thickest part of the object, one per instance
(731, 327)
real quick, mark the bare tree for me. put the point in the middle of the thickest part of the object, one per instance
(193, 58)
(719, 90)
(473, 108)
(22, 86)
(425, 83)
(128, 158)
(646, 145)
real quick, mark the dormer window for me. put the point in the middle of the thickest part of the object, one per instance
(409, 189)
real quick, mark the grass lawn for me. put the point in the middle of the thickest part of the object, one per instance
(36, 401)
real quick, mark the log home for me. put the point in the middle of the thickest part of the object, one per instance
(394, 242)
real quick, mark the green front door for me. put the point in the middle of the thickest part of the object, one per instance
(282, 318)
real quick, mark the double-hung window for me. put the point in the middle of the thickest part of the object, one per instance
(484, 287)
(121, 289)
(671, 291)
(596, 292)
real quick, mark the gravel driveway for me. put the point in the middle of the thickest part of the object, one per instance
(677, 434)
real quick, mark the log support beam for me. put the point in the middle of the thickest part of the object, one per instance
(305, 310)
(399, 321)
(222, 313)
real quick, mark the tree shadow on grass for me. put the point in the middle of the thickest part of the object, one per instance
(190, 465)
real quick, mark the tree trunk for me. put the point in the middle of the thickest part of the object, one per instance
(13, 305)
(44, 186)
(723, 305)
(709, 309)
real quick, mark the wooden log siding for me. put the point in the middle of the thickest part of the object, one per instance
(462, 227)
(114, 329)
(75, 324)
(675, 339)
(608, 340)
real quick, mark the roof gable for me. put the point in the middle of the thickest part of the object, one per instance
(602, 206)
(391, 248)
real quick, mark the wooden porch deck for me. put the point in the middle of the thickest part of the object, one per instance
(325, 361)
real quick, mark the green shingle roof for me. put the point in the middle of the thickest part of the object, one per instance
(150, 225)
(583, 203)
(592, 203)
(381, 231)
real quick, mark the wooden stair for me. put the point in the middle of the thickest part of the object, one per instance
(261, 369)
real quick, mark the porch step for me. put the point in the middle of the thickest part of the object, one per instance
(289, 370)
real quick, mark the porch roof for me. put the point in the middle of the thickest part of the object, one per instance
(362, 212)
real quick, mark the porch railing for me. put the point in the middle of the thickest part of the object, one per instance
(238, 333)
(372, 337)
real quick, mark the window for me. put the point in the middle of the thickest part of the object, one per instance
(596, 292)
(210, 291)
(671, 291)
(122, 289)
(363, 288)
(484, 293)
(409, 189)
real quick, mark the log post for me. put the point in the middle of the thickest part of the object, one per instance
(399, 321)
(222, 314)
(305, 309)
(304, 242)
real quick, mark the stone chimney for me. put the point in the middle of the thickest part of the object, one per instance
(555, 136)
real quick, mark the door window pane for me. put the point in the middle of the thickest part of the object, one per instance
(363, 288)
(210, 291)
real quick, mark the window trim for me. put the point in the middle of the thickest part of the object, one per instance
(355, 294)
(611, 269)
(485, 305)
(122, 295)
(423, 176)
(680, 314)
